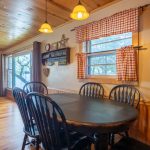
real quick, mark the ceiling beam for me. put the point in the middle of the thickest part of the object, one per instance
(60, 6)
(91, 4)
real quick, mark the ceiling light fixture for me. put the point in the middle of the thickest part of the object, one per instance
(45, 27)
(79, 12)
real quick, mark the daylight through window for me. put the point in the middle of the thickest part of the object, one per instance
(101, 58)
(19, 70)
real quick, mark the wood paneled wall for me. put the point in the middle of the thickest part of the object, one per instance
(141, 127)
(53, 91)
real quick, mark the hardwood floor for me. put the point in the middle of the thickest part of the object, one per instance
(11, 126)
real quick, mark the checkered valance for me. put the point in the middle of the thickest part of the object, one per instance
(122, 22)
(126, 63)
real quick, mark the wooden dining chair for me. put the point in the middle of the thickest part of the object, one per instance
(92, 89)
(35, 87)
(52, 126)
(30, 128)
(127, 94)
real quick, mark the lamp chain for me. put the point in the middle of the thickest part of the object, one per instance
(79, 2)
(46, 11)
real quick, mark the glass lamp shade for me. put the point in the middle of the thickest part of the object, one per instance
(45, 28)
(79, 13)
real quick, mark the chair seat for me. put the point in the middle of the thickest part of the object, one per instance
(128, 143)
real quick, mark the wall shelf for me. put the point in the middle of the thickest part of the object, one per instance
(62, 56)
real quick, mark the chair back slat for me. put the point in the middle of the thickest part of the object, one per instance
(50, 120)
(94, 92)
(126, 94)
(35, 87)
(19, 96)
(92, 89)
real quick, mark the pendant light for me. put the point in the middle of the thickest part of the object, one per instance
(45, 27)
(79, 12)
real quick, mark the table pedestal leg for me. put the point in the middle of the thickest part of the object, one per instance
(101, 142)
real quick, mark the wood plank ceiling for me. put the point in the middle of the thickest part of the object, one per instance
(21, 19)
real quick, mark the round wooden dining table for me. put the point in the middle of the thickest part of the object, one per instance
(95, 116)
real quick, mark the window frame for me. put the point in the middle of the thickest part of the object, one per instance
(8, 69)
(105, 52)
(99, 54)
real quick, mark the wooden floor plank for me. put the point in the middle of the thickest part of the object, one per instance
(11, 126)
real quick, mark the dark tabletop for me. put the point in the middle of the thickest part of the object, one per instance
(81, 110)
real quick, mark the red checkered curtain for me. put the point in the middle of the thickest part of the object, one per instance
(126, 59)
(81, 65)
(122, 22)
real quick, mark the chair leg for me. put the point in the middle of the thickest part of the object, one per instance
(126, 134)
(88, 147)
(37, 143)
(112, 138)
(24, 141)
(109, 136)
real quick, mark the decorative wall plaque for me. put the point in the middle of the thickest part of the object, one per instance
(46, 71)
(47, 47)
(57, 45)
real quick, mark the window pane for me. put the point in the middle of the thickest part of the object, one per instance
(102, 70)
(102, 59)
(96, 70)
(111, 69)
(111, 59)
(112, 38)
(9, 79)
(22, 70)
(94, 60)
(10, 62)
(111, 43)
(102, 64)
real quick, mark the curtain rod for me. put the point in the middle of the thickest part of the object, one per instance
(141, 7)
(113, 50)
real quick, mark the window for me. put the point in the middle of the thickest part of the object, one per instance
(101, 58)
(20, 70)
